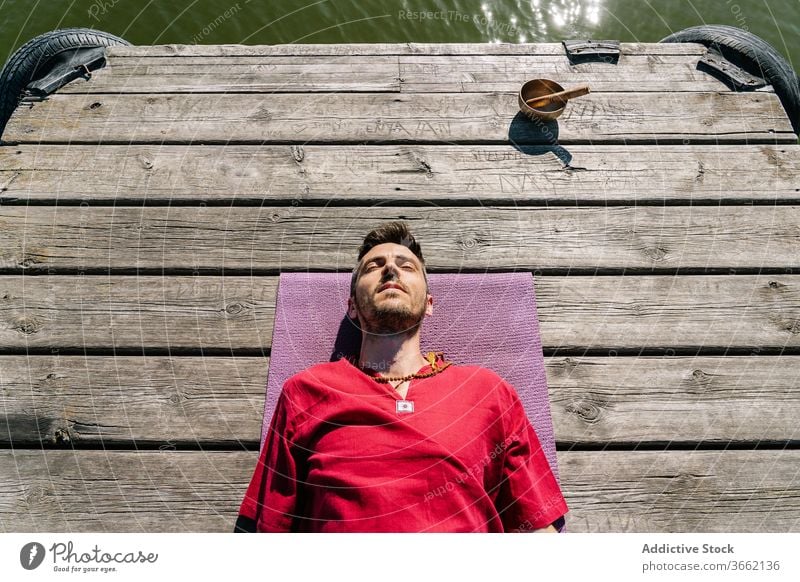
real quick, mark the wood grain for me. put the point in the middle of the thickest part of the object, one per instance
(129, 313)
(507, 73)
(363, 49)
(201, 401)
(421, 175)
(273, 238)
(489, 118)
(413, 73)
(611, 491)
(318, 74)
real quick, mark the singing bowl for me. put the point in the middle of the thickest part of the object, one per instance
(540, 88)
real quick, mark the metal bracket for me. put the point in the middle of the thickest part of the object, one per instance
(734, 76)
(580, 51)
(67, 67)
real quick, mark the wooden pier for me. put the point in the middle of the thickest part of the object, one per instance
(147, 212)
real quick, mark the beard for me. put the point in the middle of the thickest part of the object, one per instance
(389, 317)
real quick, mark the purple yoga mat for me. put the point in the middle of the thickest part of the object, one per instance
(488, 320)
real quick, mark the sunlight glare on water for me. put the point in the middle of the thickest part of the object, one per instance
(373, 21)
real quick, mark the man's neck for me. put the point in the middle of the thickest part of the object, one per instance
(392, 355)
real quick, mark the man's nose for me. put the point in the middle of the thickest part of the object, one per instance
(390, 271)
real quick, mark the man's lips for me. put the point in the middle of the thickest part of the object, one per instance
(390, 286)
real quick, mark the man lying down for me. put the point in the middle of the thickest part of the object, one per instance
(392, 441)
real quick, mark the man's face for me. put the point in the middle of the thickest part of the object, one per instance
(390, 292)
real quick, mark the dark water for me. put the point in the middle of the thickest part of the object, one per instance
(144, 22)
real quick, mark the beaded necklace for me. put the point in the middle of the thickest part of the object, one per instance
(404, 406)
(431, 357)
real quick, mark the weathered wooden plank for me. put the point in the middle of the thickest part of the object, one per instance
(299, 238)
(178, 313)
(444, 74)
(214, 400)
(682, 491)
(122, 491)
(667, 307)
(122, 400)
(255, 75)
(610, 491)
(507, 73)
(419, 173)
(128, 313)
(674, 399)
(356, 49)
(713, 117)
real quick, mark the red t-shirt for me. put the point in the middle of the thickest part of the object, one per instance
(342, 456)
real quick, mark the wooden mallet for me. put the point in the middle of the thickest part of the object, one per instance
(561, 96)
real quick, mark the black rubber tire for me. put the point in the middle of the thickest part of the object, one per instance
(754, 55)
(31, 61)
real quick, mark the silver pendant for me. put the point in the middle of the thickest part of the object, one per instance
(405, 406)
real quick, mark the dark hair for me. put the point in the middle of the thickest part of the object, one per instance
(390, 232)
